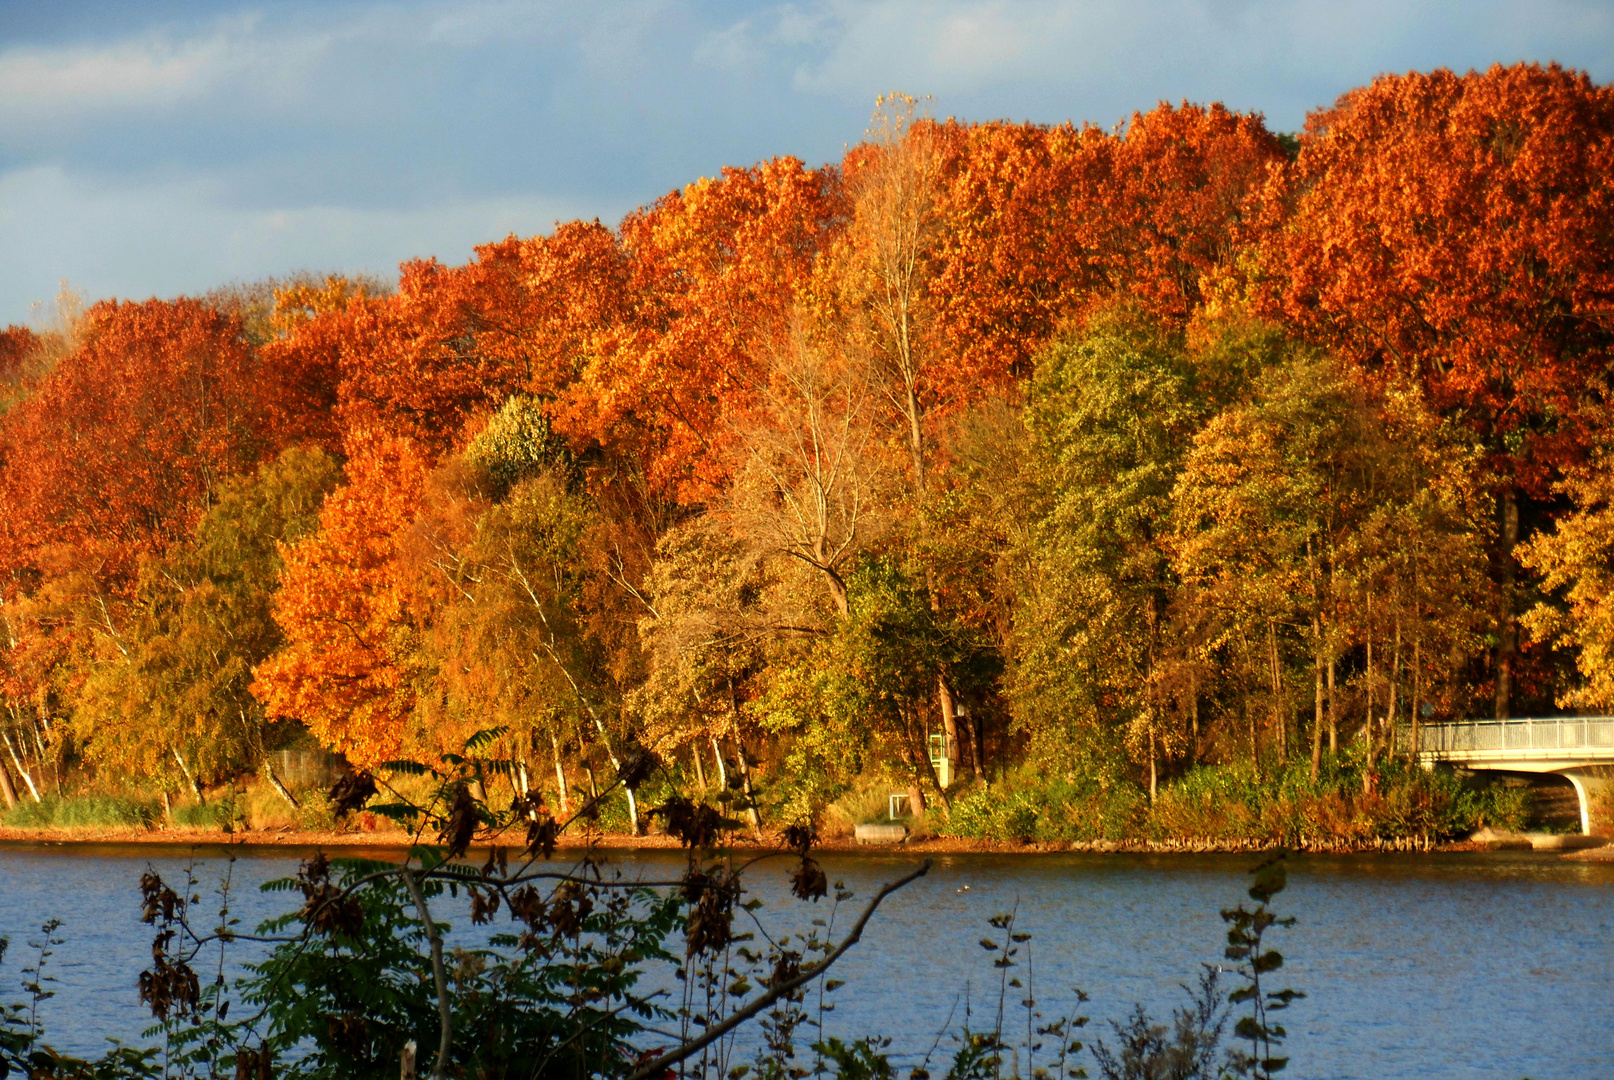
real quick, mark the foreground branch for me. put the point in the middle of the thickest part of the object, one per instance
(659, 1065)
(444, 1010)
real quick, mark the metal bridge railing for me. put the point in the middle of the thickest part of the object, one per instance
(1548, 734)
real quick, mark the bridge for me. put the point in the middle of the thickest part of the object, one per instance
(1579, 748)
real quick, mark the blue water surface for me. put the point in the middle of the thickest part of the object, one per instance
(1490, 965)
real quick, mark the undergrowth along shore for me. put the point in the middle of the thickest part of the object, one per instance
(1233, 805)
(1222, 807)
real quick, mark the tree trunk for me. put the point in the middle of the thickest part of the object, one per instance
(16, 761)
(280, 789)
(916, 434)
(39, 748)
(1193, 718)
(633, 811)
(1393, 720)
(916, 797)
(1317, 699)
(745, 764)
(1367, 727)
(633, 804)
(6, 790)
(700, 770)
(1333, 711)
(949, 715)
(969, 733)
(978, 731)
(1154, 774)
(832, 581)
(196, 788)
(1255, 742)
(919, 751)
(1507, 645)
(1280, 722)
(745, 786)
(1417, 690)
(722, 767)
(41, 721)
(560, 775)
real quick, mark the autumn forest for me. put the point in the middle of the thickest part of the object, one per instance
(1074, 482)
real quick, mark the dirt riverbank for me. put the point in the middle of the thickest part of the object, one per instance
(394, 840)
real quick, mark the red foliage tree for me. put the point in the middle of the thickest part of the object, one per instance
(715, 268)
(17, 343)
(1038, 224)
(121, 446)
(1459, 231)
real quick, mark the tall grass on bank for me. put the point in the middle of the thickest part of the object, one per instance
(1234, 803)
(252, 805)
(86, 812)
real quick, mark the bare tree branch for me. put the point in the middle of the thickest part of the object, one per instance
(658, 1065)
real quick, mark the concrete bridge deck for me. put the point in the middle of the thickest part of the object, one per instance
(1579, 748)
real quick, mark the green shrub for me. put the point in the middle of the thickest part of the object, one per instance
(1027, 805)
(223, 813)
(315, 813)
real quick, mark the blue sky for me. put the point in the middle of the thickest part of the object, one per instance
(166, 146)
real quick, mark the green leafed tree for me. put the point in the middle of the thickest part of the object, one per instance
(1112, 413)
(168, 689)
(1314, 522)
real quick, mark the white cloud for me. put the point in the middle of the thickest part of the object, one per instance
(354, 134)
(133, 241)
(230, 63)
(981, 42)
(753, 40)
(1281, 56)
(130, 72)
(234, 63)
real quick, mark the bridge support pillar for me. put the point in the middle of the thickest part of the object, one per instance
(1589, 784)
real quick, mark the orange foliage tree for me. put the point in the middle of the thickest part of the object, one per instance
(346, 670)
(1182, 202)
(715, 268)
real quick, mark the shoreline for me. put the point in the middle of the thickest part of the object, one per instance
(1593, 849)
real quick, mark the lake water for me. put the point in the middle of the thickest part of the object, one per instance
(1474, 965)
